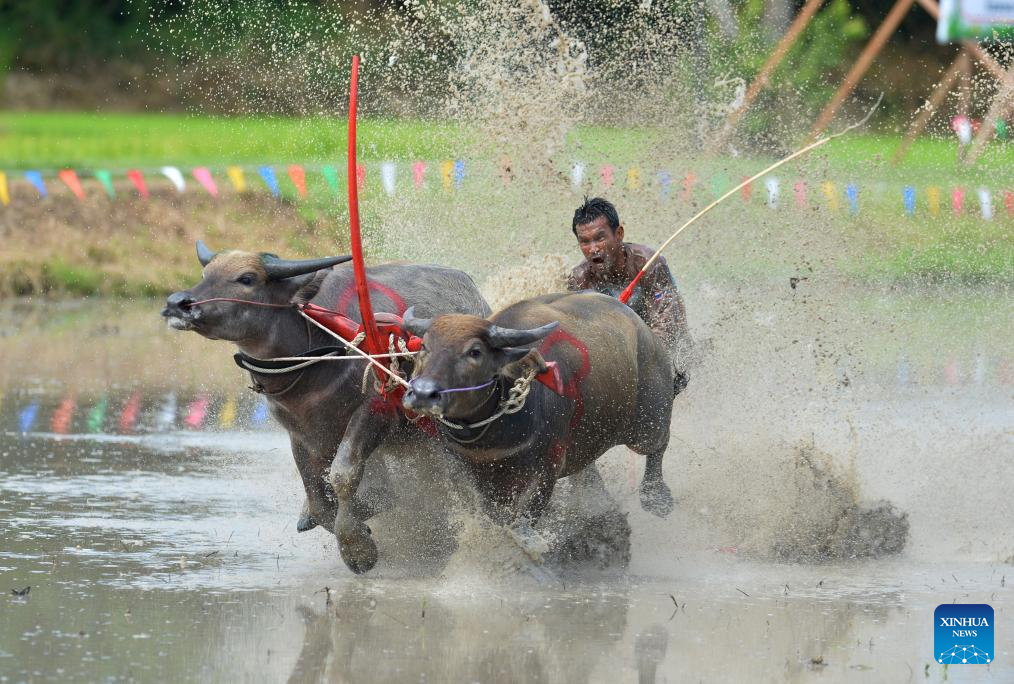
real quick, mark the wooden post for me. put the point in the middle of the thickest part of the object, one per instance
(956, 68)
(869, 53)
(764, 75)
(1001, 104)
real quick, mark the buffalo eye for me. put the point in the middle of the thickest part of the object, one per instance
(246, 279)
(474, 353)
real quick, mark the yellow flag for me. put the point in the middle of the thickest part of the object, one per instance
(446, 169)
(228, 415)
(5, 198)
(236, 178)
(831, 193)
(634, 178)
(933, 200)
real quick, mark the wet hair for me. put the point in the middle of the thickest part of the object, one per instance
(594, 208)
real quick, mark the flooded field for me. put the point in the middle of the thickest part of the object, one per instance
(150, 505)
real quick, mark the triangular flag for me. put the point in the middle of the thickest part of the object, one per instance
(268, 174)
(196, 411)
(387, 177)
(361, 176)
(137, 178)
(298, 177)
(5, 197)
(577, 174)
(175, 177)
(772, 185)
(1008, 202)
(852, 193)
(203, 176)
(418, 171)
(746, 190)
(235, 175)
(459, 173)
(606, 174)
(70, 179)
(35, 178)
(634, 178)
(831, 193)
(800, 191)
(106, 179)
(260, 413)
(688, 186)
(60, 422)
(167, 414)
(908, 197)
(957, 200)
(97, 416)
(27, 417)
(933, 200)
(130, 412)
(719, 182)
(227, 417)
(986, 204)
(331, 177)
(664, 183)
(446, 169)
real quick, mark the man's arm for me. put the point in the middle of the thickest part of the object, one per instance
(576, 280)
(667, 314)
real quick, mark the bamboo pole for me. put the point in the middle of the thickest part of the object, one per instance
(936, 99)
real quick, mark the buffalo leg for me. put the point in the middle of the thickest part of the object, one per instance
(655, 495)
(365, 431)
(318, 508)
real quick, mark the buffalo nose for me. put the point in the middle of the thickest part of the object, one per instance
(422, 392)
(177, 301)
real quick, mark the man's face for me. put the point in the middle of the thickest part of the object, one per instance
(600, 246)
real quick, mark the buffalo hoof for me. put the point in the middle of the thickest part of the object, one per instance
(358, 549)
(656, 498)
(528, 539)
(305, 523)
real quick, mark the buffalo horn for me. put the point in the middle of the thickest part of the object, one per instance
(277, 269)
(413, 325)
(507, 337)
(204, 255)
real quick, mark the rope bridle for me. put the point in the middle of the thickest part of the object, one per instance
(514, 402)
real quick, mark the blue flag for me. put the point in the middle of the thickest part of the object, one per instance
(909, 197)
(268, 174)
(35, 178)
(852, 192)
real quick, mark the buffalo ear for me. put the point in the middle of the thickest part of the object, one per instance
(307, 286)
(527, 360)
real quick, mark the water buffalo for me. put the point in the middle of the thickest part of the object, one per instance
(617, 383)
(333, 422)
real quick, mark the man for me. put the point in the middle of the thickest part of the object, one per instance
(609, 266)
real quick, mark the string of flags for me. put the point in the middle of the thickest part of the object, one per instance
(452, 174)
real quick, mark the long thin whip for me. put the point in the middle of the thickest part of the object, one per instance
(629, 290)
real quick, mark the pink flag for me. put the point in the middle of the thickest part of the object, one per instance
(137, 178)
(196, 411)
(298, 177)
(746, 190)
(361, 176)
(957, 199)
(800, 190)
(607, 175)
(688, 186)
(418, 169)
(203, 176)
(133, 406)
(70, 179)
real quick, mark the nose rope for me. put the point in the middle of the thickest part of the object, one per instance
(468, 389)
(240, 301)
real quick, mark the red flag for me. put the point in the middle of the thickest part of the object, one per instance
(800, 189)
(130, 412)
(746, 190)
(1008, 202)
(69, 177)
(688, 186)
(137, 178)
(298, 177)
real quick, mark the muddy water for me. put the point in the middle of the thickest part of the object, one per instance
(150, 506)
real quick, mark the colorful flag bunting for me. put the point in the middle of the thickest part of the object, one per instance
(26, 419)
(852, 193)
(175, 177)
(577, 174)
(97, 416)
(933, 200)
(664, 183)
(5, 197)
(957, 200)
(361, 176)
(268, 175)
(606, 173)
(235, 175)
(137, 178)
(831, 194)
(633, 178)
(227, 417)
(459, 173)
(908, 197)
(203, 176)
(70, 179)
(60, 422)
(418, 172)
(331, 178)
(130, 412)
(106, 179)
(799, 190)
(986, 204)
(35, 178)
(772, 185)
(388, 175)
(446, 169)
(298, 177)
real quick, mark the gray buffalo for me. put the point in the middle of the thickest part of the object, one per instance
(517, 436)
(333, 422)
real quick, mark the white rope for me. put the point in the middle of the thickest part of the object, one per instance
(352, 346)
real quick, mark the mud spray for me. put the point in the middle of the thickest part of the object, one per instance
(792, 441)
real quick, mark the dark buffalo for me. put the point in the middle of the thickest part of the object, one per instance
(333, 423)
(617, 383)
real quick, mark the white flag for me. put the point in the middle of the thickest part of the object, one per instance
(986, 204)
(174, 176)
(772, 186)
(577, 174)
(388, 172)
